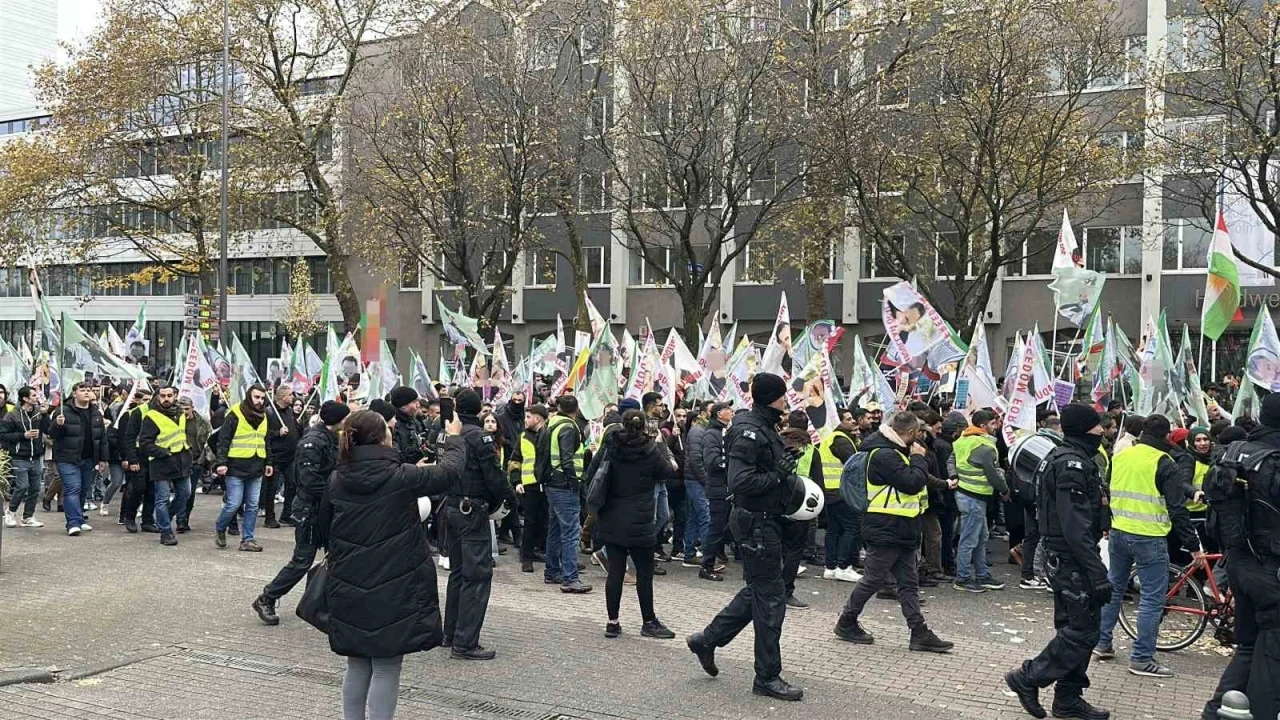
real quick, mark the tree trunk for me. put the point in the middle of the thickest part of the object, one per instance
(815, 273)
(691, 305)
(583, 320)
(341, 286)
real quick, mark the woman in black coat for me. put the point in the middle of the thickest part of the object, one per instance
(381, 588)
(626, 518)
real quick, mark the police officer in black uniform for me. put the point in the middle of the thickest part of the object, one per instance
(1243, 504)
(760, 475)
(480, 489)
(316, 456)
(1069, 508)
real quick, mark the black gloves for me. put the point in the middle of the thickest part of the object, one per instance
(787, 465)
(1101, 593)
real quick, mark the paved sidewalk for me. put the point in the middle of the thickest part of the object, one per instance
(180, 620)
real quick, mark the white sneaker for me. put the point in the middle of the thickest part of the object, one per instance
(444, 562)
(279, 498)
(829, 574)
(199, 490)
(801, 570)
(9, 519)
(86, 527)
(32, 523)
(73, 531)
(93, 506)
(104, 510)
(848, 575)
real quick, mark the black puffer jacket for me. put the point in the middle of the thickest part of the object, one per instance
(710, 452)
(284, 448)
(381, 589)
(636, 466)
(13, 430)
(317, 455)
(82, 425)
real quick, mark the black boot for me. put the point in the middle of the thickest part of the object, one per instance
(705, 651)
(1028, 694)
(777, 688)
(850, 630)
(1076, 707)
(923, 640)
(131, 526)
(476, 653)
(168, 539)
(266, 609)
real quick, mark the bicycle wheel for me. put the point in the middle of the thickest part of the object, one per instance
(1183, 620)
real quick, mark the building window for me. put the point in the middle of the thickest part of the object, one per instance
(410, 274)
(318, 86)
(1126, 69)
(595, 261)
(540, 268)
(1114, 250)
(1197, 141)
(1127, 144)
(593, 192)
(1037, 255)
(643, 273)
(1191, 43)
(1186, 244)
(949, 249)
(764, 180)
(892, 88)
(876, 264)
(494, 268)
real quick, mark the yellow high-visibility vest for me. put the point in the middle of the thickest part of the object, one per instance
(173, 435)
(1136, 505)
(805, 464)
(972, 478)
(832, 468)
(528, 461)
(558, 424)
(1197, 484)
(888, 501)
(248, 441)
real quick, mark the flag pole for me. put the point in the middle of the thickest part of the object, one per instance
(1213, 359)
(1068, 358)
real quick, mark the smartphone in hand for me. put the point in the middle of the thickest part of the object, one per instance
(446, 410)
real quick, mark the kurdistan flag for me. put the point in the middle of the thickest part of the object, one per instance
(1222, 284)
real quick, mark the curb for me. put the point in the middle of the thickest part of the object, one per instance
(17, 677)
(81, 673)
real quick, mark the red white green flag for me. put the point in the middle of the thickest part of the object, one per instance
(1222, 285)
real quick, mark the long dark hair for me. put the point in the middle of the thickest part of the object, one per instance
(363, 427)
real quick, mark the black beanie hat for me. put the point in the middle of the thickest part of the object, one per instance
(383, 408)
(1270, 413)
(401, 396)
(468, 401)
(767, 387)
(332, 413)
(1079, 419)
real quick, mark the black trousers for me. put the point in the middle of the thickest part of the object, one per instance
(1255, 668)
(288, 476)
(1076, 615)
(795, 543)
(888, 566)
(533, 504)
(762, 602)
(304, 555)
(679, 503)
(643, 558)
(470, 574)
(718, 534)
(1030, 539)
(140, 492)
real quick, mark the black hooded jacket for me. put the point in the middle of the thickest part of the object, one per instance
(482, 478)
(381, 589)
(905, 478)
(754, 453)
(1069, 506)
(709, 454)
(409, 437)
(636, 467)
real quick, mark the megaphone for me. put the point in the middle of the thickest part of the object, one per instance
(811, 504)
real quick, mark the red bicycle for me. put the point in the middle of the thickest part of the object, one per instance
(1194, 601)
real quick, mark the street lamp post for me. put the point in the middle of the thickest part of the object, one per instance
(223, 269)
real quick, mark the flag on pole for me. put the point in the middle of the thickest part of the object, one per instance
(138, 331)
(391, 377)
(419, 378)
(1222, 284)
(115, 343)
(1075, 289)
(84, 353)
(976, 370)
(462, 330)
(1263, 364)
(243, 374)
(779, 347)
(601, 386)
(195, 378)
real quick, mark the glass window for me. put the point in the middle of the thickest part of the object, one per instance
(1169, 253)
(643, 273)
(410, 274)
(596, 264)
(1132, 253)
(1102, 249)
(1043, 244)
(319, 276)
(876, 263)
(1196, 238)
(262, 276)
(540, 267)
(281, 277)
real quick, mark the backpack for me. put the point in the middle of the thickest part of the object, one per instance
(853, 480)
(1232, 485)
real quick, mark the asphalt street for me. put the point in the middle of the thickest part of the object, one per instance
(118, 626)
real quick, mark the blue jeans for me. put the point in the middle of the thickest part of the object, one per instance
(77, 479)
(181, 489)
(971, 558)
(842, 536)
(563, 531)
(26, 485)
(240, 491)
(1151, 555)
(661, 514)
(695, 530)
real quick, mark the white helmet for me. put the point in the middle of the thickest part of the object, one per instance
(500, 512)
(811, 505)
(424, 508)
